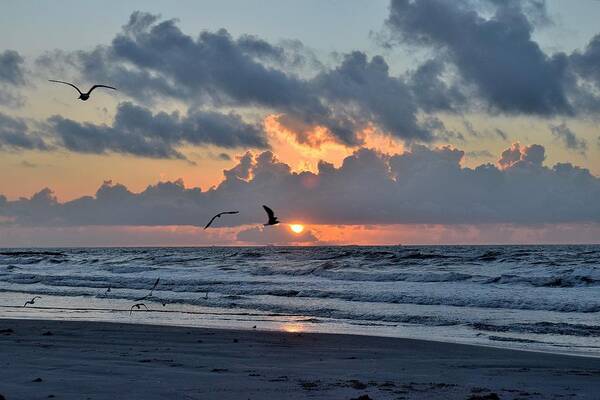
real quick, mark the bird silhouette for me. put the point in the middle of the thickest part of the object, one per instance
(83, 96)
(32, 301)
(137, 306)
(272, 218)
(219, 216)
(151, 290)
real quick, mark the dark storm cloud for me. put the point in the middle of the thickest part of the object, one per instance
(421, 186)
(569, 138)
(15, 135)
(137, 131)
(496, 55)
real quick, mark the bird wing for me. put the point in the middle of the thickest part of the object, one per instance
(155, 284)
(211, 220)
(97, 86)
(270, 212)
(219, 215)
(67, 83)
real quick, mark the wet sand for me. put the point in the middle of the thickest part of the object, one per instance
(42, 359)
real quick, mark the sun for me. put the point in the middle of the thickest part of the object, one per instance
(297, 228)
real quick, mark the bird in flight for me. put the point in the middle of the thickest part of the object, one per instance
(151, 290)
(137, 306)
(32, 301)
(272, 218)
(219, 216)
(84, 96)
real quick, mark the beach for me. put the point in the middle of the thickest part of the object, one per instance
(97, 360)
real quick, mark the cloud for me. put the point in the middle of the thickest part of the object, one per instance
(12, 75)
(587, 63)
(11, 68)
(503, 135)
(151, 60)
(137, 131)
(569, 138)
(522, 156)
(497, 55)
(420, 186)
(362, 90)
(432, 92)
(15, 135)
(279, 235)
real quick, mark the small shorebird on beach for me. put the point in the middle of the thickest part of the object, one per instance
(137, 306)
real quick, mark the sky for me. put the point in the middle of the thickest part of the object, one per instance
(381, 122)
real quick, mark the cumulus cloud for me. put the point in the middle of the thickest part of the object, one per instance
(11, 68)
(12, 75)
(497, 55)
(279, 234)
(137, 131)
(15, 135)
(522, 156)
(569, 138)
(587, 63)
(421, 186)
(153, 59)
(362, 90)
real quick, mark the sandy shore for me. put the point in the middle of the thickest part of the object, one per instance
(92, 360)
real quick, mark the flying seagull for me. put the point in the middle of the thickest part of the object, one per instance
(219, 216)
(32, 301)
(137, 306)
(272, 218)
(151, 290)
(84, 96)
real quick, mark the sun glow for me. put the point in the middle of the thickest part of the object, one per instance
(292, 328)
(297, 228)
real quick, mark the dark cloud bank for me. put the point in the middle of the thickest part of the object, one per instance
(419, 187)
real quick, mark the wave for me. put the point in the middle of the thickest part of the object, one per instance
(560, 328)
(35, 253)
(344, 272)
(192, 287)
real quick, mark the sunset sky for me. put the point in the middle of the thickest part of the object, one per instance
(366, 122)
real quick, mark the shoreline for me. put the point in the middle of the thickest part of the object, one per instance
(237, 328)
(160, 362)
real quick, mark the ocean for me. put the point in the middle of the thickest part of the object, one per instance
(542, 298)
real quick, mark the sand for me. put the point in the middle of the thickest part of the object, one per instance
(42, 359)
